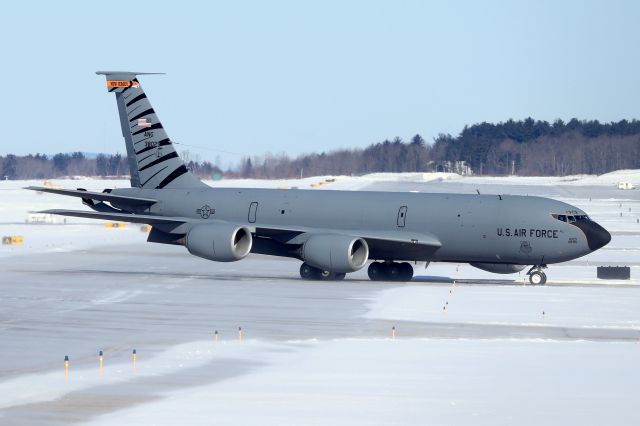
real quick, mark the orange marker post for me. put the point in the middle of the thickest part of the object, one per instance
(101, 362)
(215, 336)
(240, 333)
(66, 368)
(393, 332)
(134, 355)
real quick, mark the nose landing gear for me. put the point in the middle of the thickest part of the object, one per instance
(536, 275)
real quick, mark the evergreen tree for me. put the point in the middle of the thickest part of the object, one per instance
(9, 166)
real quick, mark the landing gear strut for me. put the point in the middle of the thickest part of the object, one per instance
(536, 275)
(391, 271)
(309, 272)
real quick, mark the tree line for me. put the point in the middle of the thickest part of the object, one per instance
(540, 148)
(41, 166)
(527, 147)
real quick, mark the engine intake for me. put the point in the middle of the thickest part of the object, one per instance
(219, 242)
(335, 253)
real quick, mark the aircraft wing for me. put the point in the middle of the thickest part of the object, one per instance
(123, 217)
(301, 233)
(98, 196)
(382, 244)
(400, 244)
(400, 237)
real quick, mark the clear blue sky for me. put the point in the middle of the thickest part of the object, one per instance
(294, 77)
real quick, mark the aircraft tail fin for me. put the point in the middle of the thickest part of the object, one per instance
(153, 161)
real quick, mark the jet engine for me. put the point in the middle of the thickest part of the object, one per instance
(335, 253)
(220, 242)
(499, 268)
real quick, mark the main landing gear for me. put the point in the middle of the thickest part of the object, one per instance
(309, 272)
(378, 271)
(536, 275)
(390, 271)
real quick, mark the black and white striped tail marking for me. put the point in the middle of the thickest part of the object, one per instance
(153, 161)
(157, 161)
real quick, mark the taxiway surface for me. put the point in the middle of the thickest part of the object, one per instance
(314, 352)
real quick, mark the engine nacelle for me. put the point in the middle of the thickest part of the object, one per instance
(335, 253)
(499, 268)
(220, 242)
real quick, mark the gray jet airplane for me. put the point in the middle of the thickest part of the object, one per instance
(332, 232)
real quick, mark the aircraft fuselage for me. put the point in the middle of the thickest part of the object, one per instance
(471, 228)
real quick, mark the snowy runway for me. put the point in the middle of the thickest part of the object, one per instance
(312, 352)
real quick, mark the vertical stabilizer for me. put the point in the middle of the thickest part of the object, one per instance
(153, 161)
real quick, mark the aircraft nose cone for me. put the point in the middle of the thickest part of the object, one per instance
(597, 236)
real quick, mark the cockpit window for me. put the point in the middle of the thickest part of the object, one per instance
(571, 218)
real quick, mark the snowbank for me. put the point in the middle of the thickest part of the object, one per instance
(33, 388)
(416, 382)
(511, 305)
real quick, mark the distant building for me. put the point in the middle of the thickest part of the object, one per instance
(626, 185)
(460, 167)
(40, 218)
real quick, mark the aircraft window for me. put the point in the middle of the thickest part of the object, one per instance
(571, 218)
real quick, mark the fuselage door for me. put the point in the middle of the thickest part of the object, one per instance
(402, 216)
(253, 210)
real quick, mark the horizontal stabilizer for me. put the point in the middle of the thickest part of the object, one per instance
(122, 217)
(127, 73)
(98, 196)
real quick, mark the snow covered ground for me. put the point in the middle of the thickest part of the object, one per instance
(313, 353)
(417, 382)
(511, 305)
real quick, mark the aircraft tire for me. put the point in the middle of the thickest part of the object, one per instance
(327, 275)
(537, 278)
(308, 272)
(406, 271)
(376, 271)
(393, 271)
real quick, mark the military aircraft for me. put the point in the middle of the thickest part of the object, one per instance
(332, 232)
